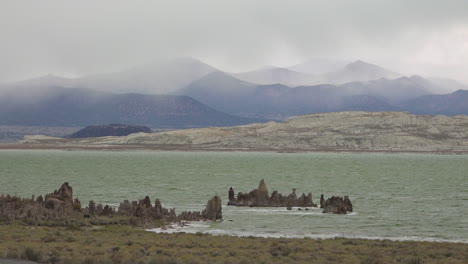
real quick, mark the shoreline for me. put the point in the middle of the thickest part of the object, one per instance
(189, 148)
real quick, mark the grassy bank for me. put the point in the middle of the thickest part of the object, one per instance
(119, 244)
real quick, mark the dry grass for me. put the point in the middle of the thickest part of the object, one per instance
(120, 244)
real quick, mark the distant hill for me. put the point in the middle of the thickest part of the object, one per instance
(348, 131)
(109, 130)
(81, 107)
(455, 103)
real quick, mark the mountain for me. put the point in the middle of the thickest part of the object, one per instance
(276, 101)
(82, 107)
(275, 75)
(358, 71)
(455, 103)
(222, 92)
(160, 77)
(339, 131)
(366, 103)
(394, 90)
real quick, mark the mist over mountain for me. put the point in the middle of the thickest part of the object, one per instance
(222, 92)
(198, 95)
(444, 86)
(82, 107)
(159, 77)
(274, 75)
(357, 71)
(394, 90)
(228, 94)
(455, 103)
(319, 66)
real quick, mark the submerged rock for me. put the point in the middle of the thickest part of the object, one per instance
(260, 198)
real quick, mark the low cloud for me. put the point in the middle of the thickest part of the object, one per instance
(83, 37)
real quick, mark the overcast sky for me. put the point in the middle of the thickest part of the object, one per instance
(74, 38)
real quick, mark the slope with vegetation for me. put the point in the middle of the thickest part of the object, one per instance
(350, 131)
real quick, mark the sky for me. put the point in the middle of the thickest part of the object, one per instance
(75, 38)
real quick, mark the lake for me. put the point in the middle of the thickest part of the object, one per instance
(395, 196)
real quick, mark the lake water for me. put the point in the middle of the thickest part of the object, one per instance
(395, 196)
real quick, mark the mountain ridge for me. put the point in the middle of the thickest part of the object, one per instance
(79, 107)
(278, 101)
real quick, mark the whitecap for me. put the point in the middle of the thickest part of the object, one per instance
(203, 227)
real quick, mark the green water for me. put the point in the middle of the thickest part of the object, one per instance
(395, 196)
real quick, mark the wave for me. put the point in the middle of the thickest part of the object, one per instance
(264, 211)
(204, 227)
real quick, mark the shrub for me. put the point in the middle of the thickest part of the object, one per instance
(11, 253)
(70, 239)
(280, 250)
(31, 254)
(49, 238)
(54, 257)
(416, 260)
(88, 261)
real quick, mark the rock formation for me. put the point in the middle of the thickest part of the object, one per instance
(260, 198)
(338, 205)
(59, 208)
(61, 198)
(213, 209)
(64, 194)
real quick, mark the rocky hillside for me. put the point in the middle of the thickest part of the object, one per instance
(354, 131)
(109, 130)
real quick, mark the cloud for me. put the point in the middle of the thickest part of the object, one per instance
(82, 37)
